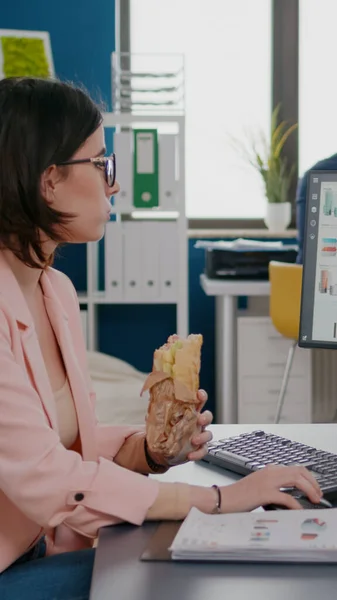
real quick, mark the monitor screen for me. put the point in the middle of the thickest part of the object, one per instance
(318, 322)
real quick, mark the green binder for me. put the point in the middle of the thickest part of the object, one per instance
(145, 169)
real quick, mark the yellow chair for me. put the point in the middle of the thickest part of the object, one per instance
(285, 300)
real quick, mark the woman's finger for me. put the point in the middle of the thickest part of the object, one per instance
(202, 438)
(309, 476)
(291, 476)
(286, 500)
(302, 484)
(302, 479)
(205, 418)
(202, 397)
(197, 454)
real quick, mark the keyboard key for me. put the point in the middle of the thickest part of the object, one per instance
(229, 456)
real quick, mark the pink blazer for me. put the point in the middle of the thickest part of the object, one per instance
(45, 488)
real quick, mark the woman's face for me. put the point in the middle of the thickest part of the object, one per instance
(81, 189)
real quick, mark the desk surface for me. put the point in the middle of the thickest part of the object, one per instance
(239, 287)
(120, 575)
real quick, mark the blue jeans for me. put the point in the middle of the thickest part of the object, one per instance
(37, 577)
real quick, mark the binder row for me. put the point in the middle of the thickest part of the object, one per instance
(147, 170)
(141, 261)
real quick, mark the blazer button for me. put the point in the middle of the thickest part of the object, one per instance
(78, 497)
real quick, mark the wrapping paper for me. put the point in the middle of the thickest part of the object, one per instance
(171, 418)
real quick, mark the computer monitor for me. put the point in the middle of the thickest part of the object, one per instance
(318, 321)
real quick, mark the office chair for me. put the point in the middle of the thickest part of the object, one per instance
(285, 299)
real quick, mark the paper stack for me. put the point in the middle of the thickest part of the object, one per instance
(276, 536)
(242, 244)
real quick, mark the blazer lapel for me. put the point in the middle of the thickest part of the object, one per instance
(38, 373)
(14, 298)
(60, 324)
(11, 292)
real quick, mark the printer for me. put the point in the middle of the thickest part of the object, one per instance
(244, 259)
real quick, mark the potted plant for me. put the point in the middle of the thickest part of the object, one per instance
(266, 156)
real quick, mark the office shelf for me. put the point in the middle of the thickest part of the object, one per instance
(101, 298)
(93, 297)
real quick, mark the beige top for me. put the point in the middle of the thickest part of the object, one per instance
(66, 415)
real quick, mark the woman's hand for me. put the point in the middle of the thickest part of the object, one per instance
(263, 487)
(201, 437)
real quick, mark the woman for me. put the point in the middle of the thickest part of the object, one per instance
(62, 476)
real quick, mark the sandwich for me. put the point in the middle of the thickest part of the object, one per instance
(172, 414)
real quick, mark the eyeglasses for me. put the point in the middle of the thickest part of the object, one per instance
(106, 163)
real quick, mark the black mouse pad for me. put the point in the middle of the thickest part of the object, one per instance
(158, 546)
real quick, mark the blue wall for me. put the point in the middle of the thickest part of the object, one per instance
(82, 36)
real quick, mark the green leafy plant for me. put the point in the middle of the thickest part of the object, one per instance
(267, 158)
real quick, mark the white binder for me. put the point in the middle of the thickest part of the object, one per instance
(132, 261)
(113, 249)
(168, 260)
(150, 260)
(123, 148)
(167, 146)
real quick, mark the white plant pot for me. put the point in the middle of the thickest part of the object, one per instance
(278, 216)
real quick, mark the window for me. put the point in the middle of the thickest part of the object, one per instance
(317, 82)
(227, 48)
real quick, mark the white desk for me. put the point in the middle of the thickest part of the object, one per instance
(226, 294)
(118, 572)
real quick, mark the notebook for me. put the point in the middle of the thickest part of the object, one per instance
(280, 536)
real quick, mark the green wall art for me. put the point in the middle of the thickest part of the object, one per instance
(25, 53)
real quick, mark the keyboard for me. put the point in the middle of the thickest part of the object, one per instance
(248, 452)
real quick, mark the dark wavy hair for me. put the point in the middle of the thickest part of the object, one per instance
(42, 122)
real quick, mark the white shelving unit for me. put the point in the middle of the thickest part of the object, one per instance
(93, 297)
(147, 94)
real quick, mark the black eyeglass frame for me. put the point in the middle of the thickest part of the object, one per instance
(108, 163)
